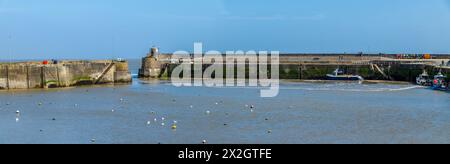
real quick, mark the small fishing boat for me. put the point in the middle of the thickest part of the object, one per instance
(439, 82)
(424, 79)
(340, 75)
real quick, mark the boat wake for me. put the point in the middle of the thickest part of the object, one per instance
(340, 87)
(352, 90)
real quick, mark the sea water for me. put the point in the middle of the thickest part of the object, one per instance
(304, 112)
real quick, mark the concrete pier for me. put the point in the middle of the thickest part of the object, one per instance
(316, 66)
(28, 75)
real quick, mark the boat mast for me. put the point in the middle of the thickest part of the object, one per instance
(10, 48)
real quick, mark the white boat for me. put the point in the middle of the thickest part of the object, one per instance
(424, 79)
(340, 75)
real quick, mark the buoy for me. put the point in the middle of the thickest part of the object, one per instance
(162, 118)
(163, 124)
(191, 106)
(251, 110)
(252, 106)
(53, 119)
(155, 120)
(204, 142)
(267, 119)
(217, 103)
(17, 112)
(269, 131)
(92, 140)
(112, 110)
(208, 112)
(174, 126)
(148, 122)
(40, 104)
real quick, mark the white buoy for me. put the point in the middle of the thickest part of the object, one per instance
(162, 118)
(204, 142)
(17, 112)
(191, 106)
(163, 124)
(155, 120)
(208, 112)
(148, 122)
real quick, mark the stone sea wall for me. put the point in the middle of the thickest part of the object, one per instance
(28, 75)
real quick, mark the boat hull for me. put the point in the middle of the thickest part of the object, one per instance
(439, 87)
(345, 78)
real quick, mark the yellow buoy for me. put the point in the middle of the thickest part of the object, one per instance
(174, 126)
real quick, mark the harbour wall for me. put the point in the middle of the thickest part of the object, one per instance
(317, 66)
(29, 75)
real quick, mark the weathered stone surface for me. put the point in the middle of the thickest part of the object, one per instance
(122, 77)
(17, 75)
(35, 76)
(316, 66)
(3, 77)
(151, 67)
(63, 74)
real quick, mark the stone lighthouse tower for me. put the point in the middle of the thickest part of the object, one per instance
(154, 52)
(151, 67)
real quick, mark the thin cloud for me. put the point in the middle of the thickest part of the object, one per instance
(278, 18)
(228, 15)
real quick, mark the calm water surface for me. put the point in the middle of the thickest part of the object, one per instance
(302, 113)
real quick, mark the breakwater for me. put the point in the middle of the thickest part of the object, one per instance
(317, 66)
(29, 75)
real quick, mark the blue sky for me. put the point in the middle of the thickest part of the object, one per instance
(36, 29)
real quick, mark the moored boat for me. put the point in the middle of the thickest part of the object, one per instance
(439, 82)
(424, 79)
(340, 75)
